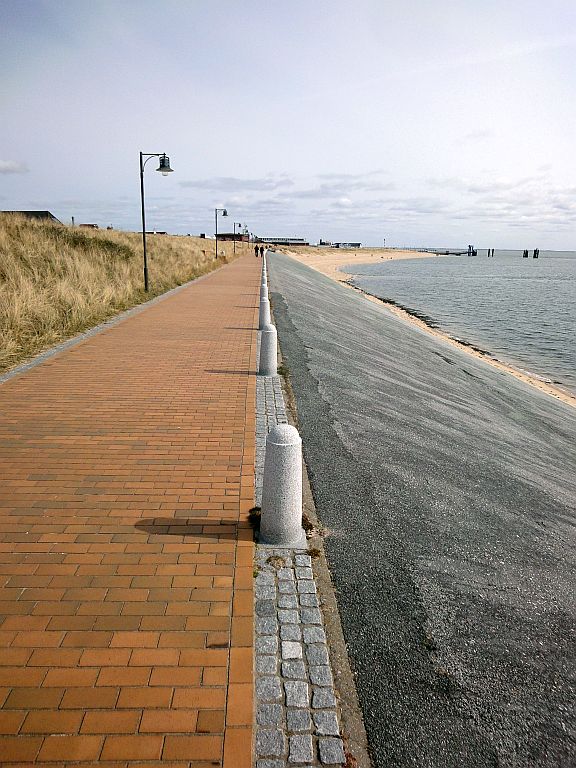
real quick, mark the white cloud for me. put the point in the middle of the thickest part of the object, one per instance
(12, 166)
(232, 184)
(343, 202)
(341, 186)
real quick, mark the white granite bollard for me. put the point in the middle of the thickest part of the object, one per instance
(264, 314)
(263, 291)
(281, 517)
(268, 365)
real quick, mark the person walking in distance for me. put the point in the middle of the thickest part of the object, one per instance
(262, 251)
(256, 251)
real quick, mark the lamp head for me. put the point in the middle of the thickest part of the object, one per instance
(224, 212)
(164, 166)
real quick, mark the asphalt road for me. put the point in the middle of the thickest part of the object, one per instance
(449, 492)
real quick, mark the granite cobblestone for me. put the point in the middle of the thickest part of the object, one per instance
(290, 632)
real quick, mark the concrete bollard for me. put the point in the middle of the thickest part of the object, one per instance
(268, 364)
(263, 291)
(281, 519)
(264, 314)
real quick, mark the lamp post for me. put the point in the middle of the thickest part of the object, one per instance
(236, 224)
(224, 212)
(164, 169)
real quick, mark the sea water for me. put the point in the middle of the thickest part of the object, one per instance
(521, 311)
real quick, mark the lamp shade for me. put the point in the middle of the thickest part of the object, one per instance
(164, 167)
(224, 212)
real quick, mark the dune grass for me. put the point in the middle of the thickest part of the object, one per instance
(56, 281)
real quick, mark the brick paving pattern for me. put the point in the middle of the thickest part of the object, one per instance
(126, 565)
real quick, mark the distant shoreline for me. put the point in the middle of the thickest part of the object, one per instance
(330, 262)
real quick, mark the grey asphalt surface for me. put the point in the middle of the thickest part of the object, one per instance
(449, 492)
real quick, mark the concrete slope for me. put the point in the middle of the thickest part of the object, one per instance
(449, 490)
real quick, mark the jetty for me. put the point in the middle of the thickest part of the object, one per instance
(439, 251)
(446, 252)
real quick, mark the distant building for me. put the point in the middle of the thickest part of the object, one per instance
(346, 245)
(238, 236)
(281, 240)
(46, 215)
(89, 226)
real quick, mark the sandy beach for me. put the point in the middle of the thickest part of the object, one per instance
(329, 261)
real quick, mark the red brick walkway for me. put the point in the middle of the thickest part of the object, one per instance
(126, 471)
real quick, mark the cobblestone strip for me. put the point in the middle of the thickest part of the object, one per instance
(270, 411)
(296, 717)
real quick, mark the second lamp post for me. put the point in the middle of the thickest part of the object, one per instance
(236, 224)
(224, 212)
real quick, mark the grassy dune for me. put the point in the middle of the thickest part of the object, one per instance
(56, 281)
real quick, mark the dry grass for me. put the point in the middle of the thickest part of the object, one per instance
(56, 281)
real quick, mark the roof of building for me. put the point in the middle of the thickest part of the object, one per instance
(282, 240)
(36, 215)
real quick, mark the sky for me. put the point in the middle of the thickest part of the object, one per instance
(404, 122)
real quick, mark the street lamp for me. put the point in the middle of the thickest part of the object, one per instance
(236, 224)
(224, 212)
(164, 169)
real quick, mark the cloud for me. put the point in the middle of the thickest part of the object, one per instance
(350, 176)
(12, 166)
(489, 186)
(474, 138)
(266, 207)
(342, 202)
(382, 212)
(507, 52)
(530, 201)
(232, 184)
(339, 186)
(419, 205)
(477, 135)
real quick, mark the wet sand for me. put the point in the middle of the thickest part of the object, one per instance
(330, 261)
